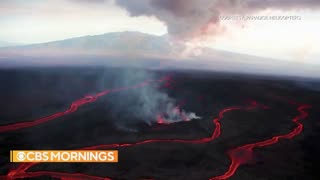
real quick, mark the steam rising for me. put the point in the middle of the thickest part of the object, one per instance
(145, 104)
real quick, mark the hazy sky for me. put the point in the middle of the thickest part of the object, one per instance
(198, 22)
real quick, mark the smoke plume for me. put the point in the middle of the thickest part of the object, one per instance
(148, 104)
(194, 18)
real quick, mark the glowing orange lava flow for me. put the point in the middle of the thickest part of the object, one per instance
(20, 172)
(176, 110)
(243, 154)
(238, 156)
(73, 107)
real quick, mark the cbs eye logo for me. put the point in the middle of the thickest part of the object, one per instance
(21, 156)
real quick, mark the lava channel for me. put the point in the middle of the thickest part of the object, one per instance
(243, 154)
(74, 107)
(238, 156)
(21, 171)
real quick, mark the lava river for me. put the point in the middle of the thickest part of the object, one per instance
(238, 156)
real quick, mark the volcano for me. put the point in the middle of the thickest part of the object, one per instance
(241, 127)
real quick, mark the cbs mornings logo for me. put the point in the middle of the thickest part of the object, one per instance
(85, 156)
(21, 156)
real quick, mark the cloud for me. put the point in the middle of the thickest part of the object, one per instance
(283, 4)
(183, 18)
(194, 18)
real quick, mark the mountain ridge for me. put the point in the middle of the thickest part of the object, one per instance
(132, 48)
